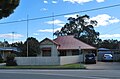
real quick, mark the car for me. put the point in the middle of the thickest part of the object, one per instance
(90, 58)
(107, 57)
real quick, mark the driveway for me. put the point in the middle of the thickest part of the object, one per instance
(104, 66)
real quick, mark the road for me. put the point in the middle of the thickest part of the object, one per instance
(59, 74)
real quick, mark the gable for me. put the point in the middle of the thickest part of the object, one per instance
(46, 42)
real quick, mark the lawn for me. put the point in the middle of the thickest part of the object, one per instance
(68, 66)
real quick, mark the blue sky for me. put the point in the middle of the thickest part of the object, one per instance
(108, 19)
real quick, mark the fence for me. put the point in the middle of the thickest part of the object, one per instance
(37, 60)
(70, 59)
(49, 60)
(116, 57)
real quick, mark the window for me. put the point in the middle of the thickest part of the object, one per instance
(75, 52)
(46, 52)
(62, 53)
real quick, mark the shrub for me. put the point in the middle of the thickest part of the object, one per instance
(10, 60)
(1, 60)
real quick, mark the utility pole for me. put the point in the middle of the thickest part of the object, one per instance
(3, 50)
(27, 34)
(53, 25)
(12, 36)
(80, 53)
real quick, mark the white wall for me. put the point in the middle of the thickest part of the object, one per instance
(71, 59)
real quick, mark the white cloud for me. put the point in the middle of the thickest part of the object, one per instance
(45, 1)
(100, 0)
(36, 34)
(10, 35)
(82, 1)
(54, 2)
(10, 42)
(56, 22)
(110, 36)
(49, 30)
(105, 19)
(77, 1)
(43, 9)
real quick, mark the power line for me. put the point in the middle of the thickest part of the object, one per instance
(111, 30)
(88, 10)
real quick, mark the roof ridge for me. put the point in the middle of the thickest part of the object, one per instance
(50, 40)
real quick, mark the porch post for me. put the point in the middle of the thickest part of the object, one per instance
(79, 50)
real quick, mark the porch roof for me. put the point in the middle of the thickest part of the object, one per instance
(9, 49)
(69, 42)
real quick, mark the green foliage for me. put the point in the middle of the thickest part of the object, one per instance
(10, 56)
(4, 44)
(110, 44)
(10, 60)
(81, 27)
(33, 47)
(1, 60)
(7, 7)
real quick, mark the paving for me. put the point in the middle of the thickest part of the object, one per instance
(104, 66)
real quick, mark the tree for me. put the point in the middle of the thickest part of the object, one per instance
(7, 7)
(110, 44)
(17, 44)
(81, 27)
(33, 47)
(4, 44)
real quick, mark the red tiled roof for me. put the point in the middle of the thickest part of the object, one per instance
(69, 42)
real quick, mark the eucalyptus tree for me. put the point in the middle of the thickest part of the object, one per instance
(81, 27)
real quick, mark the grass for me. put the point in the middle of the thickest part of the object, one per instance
(68, 66)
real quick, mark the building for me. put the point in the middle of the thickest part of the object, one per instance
(4, 51)
(64, 46)
(60, 51)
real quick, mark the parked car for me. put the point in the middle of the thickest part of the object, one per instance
(107, 57)
(90, 58)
